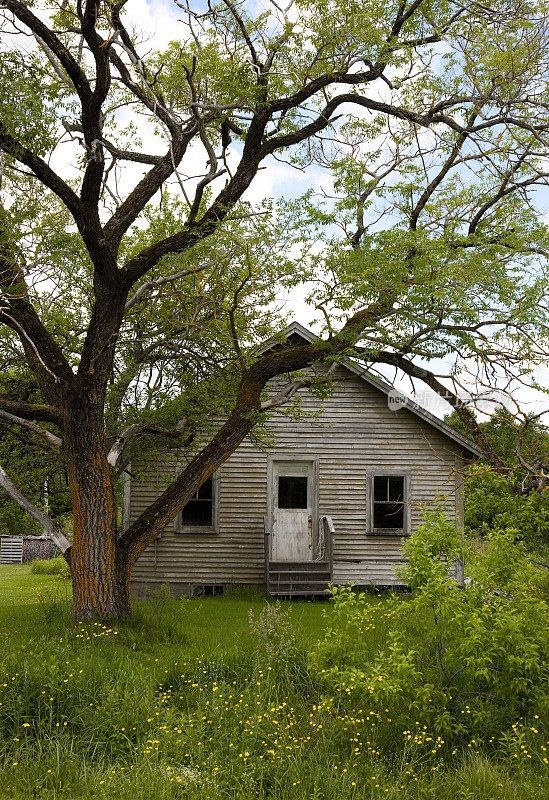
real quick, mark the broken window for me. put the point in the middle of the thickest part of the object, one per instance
(199, 511)
(292, 491)
(389, 502)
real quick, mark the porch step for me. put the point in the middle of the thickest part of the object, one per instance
(326, 595)
(295, 576)
(301, 587)
(299, 579)
(300, 565)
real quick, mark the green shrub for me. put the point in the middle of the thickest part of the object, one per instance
(51, 566)
(460, 665)
(491, 505)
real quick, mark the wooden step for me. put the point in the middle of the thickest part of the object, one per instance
(288, 586)
(298, 576)
(300, 591)
(300, 565)
(299, 579)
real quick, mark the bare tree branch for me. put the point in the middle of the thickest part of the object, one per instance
(43, 172)
(50, 528)
(286, 394)
(140, 428)
(51, 438)
(31, 411)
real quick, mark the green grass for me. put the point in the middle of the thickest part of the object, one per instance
(19, 605)
(185, 701)
(209, 624)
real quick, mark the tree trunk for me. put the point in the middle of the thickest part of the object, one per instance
(100, 579)
(100, 589)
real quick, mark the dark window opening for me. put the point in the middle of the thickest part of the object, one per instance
(292, 491)
(388, 515)
(207, 591)
(396, 488)
(199, 510)
(388, 501)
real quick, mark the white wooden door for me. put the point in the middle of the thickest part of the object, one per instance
(293, 503)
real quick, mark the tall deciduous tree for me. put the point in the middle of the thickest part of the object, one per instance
(430, 119)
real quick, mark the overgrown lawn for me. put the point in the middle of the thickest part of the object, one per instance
(192, 699)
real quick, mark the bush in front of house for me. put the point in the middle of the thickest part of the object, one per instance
(51, 566)
(460, 667)
(490, 504)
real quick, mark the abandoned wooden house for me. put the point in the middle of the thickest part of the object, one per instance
(329, 501)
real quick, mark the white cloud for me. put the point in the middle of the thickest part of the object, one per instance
(155, 22)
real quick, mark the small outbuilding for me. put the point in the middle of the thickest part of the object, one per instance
(329, 500)
(20, 549)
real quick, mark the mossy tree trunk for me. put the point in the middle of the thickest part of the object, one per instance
(99, 579)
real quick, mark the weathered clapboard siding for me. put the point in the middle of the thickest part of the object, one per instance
(356, 434)
(11, 549)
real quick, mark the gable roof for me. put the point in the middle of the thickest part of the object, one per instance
(296, 329)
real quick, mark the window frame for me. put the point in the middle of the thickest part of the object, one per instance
(387, 473)
(178, 526)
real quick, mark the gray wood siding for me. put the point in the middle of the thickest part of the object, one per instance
(355, 435)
